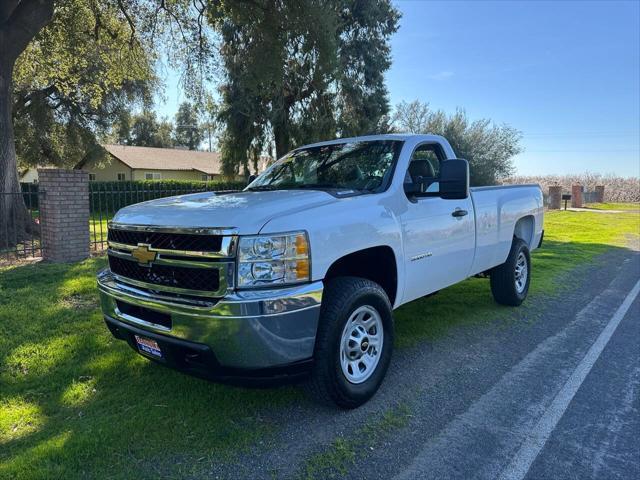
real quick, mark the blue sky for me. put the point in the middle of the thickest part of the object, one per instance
(567, 74)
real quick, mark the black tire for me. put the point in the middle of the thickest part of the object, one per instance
(503, 277)
(343, 296)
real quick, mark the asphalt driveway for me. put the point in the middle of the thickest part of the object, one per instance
(554, 394)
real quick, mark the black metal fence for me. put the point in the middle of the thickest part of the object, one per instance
(20, 234)
(106, 198)
(21, 239)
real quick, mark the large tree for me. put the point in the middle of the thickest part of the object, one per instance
(20, 21)
(188, 131)
(148, 131)
(141, 23)
(78, 75)
(300, 70)
(488, 147)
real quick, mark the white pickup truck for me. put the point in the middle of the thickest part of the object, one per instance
(298, 275)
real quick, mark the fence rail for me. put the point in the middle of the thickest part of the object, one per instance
(20, 238)
(105, 202)
(105, 199)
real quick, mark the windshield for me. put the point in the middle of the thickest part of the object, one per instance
(360, 166)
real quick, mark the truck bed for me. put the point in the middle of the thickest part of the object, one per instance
(497, 209)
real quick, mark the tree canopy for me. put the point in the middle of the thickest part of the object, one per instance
(188, 130)
(145, 129)
(67, 66)
(488, 147)
(148, 131)
(73, 81)
(299, 71)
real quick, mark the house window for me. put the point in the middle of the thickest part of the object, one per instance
(122, 177)
(205, 177)
(152, 176)
(92, 177)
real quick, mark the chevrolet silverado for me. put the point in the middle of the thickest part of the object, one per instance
(298, 275)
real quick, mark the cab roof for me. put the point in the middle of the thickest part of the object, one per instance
(417, 137)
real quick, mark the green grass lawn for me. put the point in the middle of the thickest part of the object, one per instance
(98, 228)
(75, 403)
(613, 206)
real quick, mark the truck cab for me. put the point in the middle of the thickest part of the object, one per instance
(298, 275)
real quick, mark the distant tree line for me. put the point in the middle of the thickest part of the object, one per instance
(145, 129)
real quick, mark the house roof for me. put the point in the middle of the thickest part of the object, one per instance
(149, 158)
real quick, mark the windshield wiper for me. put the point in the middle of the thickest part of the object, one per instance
(263, 188)
(289, 186)
(305, 186)
(339, 189)
(317, 186)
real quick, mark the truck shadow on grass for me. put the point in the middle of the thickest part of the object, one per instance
(76, 403)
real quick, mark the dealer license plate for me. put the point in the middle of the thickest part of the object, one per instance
(148, 346)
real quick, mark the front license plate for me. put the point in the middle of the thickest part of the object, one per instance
(148, 346)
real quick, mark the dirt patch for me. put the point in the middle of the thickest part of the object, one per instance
(80, 302)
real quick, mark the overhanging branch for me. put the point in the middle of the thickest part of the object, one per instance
(24, 22)
(6, 9)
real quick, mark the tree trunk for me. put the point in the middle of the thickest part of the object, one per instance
(281, 136)
(20, 21)
(15, 221)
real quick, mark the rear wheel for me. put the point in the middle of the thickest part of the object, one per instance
(353, 344)
(510, 281)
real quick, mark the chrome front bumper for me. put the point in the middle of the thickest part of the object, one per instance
(247, 330)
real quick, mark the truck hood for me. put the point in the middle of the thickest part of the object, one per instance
(244, 212)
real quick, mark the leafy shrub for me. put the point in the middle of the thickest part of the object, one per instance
(488, 147)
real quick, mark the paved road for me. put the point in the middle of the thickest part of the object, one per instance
(553, 395)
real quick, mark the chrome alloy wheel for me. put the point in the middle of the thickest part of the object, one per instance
(521, 272)
(361, 344)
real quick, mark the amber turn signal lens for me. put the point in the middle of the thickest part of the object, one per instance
(302, 269)
(302, 247)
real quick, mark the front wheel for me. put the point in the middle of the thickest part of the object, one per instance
(353, 344)
(510, 281)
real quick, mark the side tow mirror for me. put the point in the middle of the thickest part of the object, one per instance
(454, 179)
(412, 188)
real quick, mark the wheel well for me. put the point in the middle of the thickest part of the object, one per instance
(524, 229)
(377, 264)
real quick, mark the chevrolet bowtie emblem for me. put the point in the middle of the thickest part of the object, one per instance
(143, 254)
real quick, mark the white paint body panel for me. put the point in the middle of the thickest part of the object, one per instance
(432, 248)
(439, 248)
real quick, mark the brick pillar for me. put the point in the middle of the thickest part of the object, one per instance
(555, 197)
(599, 193)
(64, 214)
(576, 196)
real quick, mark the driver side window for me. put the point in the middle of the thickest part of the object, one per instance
(424, 170)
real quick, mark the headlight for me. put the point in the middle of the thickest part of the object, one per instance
(273, 260)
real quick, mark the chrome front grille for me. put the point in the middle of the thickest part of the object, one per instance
(195, 262)
(168, 241)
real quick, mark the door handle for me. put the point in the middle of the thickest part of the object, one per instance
(459, 213)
